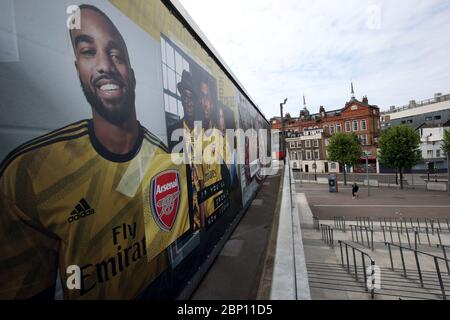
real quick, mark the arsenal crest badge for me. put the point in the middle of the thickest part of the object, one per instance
(165, 198)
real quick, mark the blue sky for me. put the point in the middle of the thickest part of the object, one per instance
(393, 50)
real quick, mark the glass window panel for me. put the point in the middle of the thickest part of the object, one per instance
(178, 79)
(178, 63)
(163, 50)
(171, 80)
(185, 65)
(166, 103)
(173, 105)
(164, 67)
(170, 56)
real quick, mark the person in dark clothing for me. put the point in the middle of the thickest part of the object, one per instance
(355, 189)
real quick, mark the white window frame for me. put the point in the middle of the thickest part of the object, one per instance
(308, 155)
(307, 143)
(353, 125)
(332, 129)
(363, 127)
(348, 126)
(364, 139)
(316, 143)
(338, 126)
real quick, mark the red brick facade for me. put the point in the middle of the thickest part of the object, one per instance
(360, 117)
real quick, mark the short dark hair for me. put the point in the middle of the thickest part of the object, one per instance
(100, 12)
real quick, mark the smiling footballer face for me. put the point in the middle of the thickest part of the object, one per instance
(103, 66)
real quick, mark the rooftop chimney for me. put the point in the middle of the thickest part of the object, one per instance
(365, 100)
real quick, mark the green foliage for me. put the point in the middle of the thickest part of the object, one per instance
(399, 147)
(344, 148)
(446, 142)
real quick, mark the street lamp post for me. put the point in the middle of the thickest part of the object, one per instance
(315, 167)
(283, 142)
(367, 171)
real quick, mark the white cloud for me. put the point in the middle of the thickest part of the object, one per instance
(281, 49)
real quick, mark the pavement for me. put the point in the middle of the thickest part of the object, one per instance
(246, 268)
(243, 269)
(382, 202)
(329, 280)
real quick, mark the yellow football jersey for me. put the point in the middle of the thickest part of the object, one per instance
(66, 200)
(211, 173)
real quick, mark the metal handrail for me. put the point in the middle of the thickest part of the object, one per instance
(316, 223)
(363, 257)
(419, 271)
(339, 223)
(327, 234)
(367, 230)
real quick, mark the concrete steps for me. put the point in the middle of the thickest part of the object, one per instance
(328, 276)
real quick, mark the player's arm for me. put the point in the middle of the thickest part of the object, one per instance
(28, 253)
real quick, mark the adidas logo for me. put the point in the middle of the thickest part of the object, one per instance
(82, 209)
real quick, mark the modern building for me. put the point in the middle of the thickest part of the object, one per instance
(358, 117)
(431, 138)
(434, 111)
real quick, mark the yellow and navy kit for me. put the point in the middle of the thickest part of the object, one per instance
(212, 194)
(66, 200)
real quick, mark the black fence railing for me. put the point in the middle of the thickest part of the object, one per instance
(353, 268)
(364, 222)
(422, 224)
(358, 233)
(339, 223)
(327, 234)
(436, 260)
(316, 223)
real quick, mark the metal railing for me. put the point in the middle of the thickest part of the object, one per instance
(377, 180)
(364, 222)
(435, 258)
(359, 232)
(316, 223)
(327, 234)
(346, 264)
(339, 223)
(441, 224)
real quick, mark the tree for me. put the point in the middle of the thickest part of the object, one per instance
(399, 148)
(345, 149)
(446, 148)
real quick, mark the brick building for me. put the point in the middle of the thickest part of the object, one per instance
(358, 117)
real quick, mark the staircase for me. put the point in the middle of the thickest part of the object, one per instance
(329, 277)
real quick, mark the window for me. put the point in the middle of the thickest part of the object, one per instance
(332, 129)
(438, 153)
(308, 144)
(292, 144)
(364, 139)
(308, 155)
(333, 166)
(173, 63)
(430, 153)
(347, 126)
(363, 125)
(437, 117)
(428, 118)
(355, 125)
(316, 155)
(338, 127)
(299, 144)
(316, 143)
